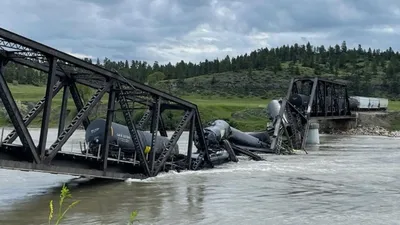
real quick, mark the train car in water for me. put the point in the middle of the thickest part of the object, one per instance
(120, 139)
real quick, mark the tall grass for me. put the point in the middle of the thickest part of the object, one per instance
(66, 194)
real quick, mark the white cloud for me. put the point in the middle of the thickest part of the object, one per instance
(81, 56)
(174, 30)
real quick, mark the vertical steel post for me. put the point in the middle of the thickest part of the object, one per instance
(348, 111)
(63, 113)
(161, 125)
(202, 139)
(44, 129)
(190, 142)
(154, 130)
(107, 130)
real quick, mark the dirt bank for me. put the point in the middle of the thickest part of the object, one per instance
(381, 124)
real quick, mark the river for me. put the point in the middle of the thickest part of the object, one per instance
(344, 180)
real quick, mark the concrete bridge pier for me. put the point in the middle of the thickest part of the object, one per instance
(331, 125)
(313, 134)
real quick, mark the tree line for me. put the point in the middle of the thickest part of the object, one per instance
(369, 70)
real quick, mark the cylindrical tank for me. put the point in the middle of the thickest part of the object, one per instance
(299, 100)
(120, 136)
(217, 131)
(262, 136)
(354, 103)
(273, 109)
(241, 138)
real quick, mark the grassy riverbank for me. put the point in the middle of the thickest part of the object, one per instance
(245, 113)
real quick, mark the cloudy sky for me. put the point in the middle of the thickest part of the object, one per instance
(194, 30)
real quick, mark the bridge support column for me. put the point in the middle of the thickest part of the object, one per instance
(313, 134)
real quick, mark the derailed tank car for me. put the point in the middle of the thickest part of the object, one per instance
(120, 138)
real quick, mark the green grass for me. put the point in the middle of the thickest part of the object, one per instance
(249, 102)
(27, 92)
(210, 107)
(244, 112)
(394, 106)
(30, 93)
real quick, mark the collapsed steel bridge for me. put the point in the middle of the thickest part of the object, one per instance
(146, 152)
(307, 100)
(64, 73)
(144, 158)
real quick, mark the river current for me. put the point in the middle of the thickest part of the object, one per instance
(344, 180)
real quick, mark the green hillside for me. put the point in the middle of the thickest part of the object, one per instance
(238, 88)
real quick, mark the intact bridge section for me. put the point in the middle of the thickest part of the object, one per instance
(308, 100)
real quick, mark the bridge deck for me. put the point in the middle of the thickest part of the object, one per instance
(66, 72)
(69, 163)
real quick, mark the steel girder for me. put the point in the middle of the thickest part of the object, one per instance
(66, 71)
(326, 99)
(29, 49)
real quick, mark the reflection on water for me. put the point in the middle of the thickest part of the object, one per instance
(345, 180)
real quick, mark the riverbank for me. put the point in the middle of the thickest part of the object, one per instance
(246, 113)
(368, 130)
(374, 124)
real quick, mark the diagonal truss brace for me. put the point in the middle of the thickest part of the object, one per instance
(145, 118)
(78, 101)
(276, 137)
(172, 142)
(32, 113)
(15, 115)
(204, 151)
(137, 141)
(78, 119)
(310, 105)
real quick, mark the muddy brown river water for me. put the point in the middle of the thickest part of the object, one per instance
(345, 180)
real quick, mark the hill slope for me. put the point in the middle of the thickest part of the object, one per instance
(238, 88)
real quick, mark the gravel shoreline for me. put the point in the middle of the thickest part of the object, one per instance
(371, 130)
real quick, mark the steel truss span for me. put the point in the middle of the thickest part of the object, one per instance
(308, 98)
(144, 158)
(137, 146)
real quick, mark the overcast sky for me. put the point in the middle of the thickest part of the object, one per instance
(193, 30)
